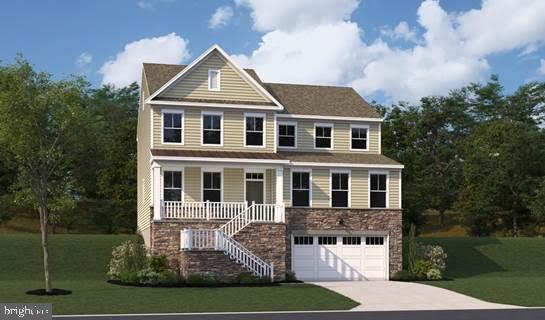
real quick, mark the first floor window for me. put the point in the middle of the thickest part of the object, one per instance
(172, 185)
(286, 135)
(359, 138)
(339, 189)
(211, 186)
(322, 136)
(301, 189)
(254, 130)
(172, 127)
(378, 190)
(211, 129)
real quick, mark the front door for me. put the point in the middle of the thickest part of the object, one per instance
(254, 187)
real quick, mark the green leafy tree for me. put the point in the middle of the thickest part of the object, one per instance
(41, 122)
(537, 203)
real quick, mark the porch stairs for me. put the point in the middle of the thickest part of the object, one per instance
(222, 238)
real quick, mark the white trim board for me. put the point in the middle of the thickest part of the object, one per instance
(316, 117)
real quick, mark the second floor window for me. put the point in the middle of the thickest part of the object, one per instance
(211, 129)
(339, 190)
(323, 136)
(254, 130)
(211, 186)
(172, 127)
(286, 135)
(300, 191)
(377, 190)
(359, 138)
(172, 186)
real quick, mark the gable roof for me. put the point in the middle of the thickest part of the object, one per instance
(216, 49)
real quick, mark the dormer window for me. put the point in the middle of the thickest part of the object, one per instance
(213, 80)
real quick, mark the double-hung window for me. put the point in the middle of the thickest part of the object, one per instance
(173, 126)
(211, 129)
(300, 189)
(359, 137)
(323, 136)
(378, 190)
(340, 189)
(172, 185)
(211, 186)
(255, 124)
(287, 135)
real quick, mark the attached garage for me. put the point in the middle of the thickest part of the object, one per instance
(340, 257)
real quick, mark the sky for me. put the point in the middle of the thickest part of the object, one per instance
(388, 50)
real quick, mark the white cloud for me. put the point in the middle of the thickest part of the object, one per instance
(220, 18)
(306, 42)
(151, 4)
(125, 68)
(84, 59)
(289, 15)
(541, 69)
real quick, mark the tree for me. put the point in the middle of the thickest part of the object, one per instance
(41, 122)
(537, 203)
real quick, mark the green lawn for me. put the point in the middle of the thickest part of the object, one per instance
(79, 264)
(503, 270)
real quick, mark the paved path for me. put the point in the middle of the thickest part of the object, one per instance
(395, 295)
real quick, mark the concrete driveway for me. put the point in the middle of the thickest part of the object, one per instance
(395, 295)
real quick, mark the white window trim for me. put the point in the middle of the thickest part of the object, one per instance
(328, 125)
(309, 187)
(360, 126)
(212, 170)
(212, 113)
(286, 123)
(182, 170)
(210, 80)
(257, 115)
(163, 111)
(387, 188)
(256, 170)
(349, 172)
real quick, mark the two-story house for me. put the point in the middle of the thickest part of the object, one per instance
(239, 175)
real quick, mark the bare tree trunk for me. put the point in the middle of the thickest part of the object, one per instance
(45, 249)
(442, 217)
(515, 223)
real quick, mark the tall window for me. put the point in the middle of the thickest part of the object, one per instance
(211, 186)
(359, 138)
(286, 135)
(213, 80)
(322, 136)
(211, 129)
(378, 190)
(172, 127)
(254, 130)
(172, 185)
(339, 189)
(300, 189)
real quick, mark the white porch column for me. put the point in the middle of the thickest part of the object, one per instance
(156, 190)
(279, 212)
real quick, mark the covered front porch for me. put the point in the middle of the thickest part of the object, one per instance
(205, 192)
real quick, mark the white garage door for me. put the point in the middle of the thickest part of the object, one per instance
(339, 257)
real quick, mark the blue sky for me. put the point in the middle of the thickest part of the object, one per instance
(436, 46)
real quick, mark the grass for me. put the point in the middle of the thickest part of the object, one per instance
(502, 270)
(79, 264)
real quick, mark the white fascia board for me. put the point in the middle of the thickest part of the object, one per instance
(344, 165)
(316, 117)
(214, 105)
(228, 160)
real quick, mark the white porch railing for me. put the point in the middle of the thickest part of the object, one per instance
(201, 210)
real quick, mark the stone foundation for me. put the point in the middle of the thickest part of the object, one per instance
(348, 220)
(209, 262)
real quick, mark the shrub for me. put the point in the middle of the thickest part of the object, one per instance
(151, 277)
(246, 279)
(127, 258)
(421, 268)
(434, 274)
(435, 255)
(158, 263)
(201, 280)
(291, 277)
(403, 275)
(129, 277)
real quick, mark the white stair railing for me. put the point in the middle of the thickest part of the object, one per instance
(245, 257)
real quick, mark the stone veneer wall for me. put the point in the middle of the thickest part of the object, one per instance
(267, 240)
(387, 220)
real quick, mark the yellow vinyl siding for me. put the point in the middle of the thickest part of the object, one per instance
(270, 186)
(320, 188)
(394, 181)
(287, 187)
(233, 131)
(194, 85)
(341, 135)
(143, 166)
(233, 184)
(192, 184)
(359, 188)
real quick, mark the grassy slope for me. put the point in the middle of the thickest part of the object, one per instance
(503, 270)
(79, 264)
